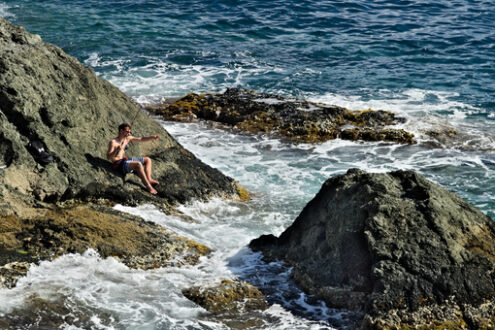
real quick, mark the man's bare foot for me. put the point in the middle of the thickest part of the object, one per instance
(152, 190)
(154, 182)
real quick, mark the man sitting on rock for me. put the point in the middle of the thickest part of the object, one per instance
(139, 165)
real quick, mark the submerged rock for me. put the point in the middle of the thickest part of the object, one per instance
(293, 119)
(56, 313)
(236, 304)
(395, 246)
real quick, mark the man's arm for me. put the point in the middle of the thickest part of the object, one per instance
(144, 138)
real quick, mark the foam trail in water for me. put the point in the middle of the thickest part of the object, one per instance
(160, 78)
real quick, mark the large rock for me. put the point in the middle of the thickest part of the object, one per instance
(293, 119)
(56, 119)
(48, 98)
(394, 246)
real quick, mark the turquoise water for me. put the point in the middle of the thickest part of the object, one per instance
(432, 63)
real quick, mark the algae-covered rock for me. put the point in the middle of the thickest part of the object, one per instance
(395, 246)
(237, 304)
(293, 119)
(54, 232)
(228, 296)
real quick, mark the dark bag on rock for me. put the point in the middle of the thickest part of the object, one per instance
(37, 150)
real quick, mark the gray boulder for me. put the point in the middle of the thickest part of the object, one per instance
(396, 247)
(56, 118)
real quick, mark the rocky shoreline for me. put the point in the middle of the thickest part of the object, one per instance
(58, 231)
(56, 187)
(394, 248)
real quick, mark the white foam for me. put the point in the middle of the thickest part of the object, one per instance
(410, 101)
(288, 321)
(458, 115)
(87, 282)
(159, 77)
(93, 60)
(4, 11)
(269, 100)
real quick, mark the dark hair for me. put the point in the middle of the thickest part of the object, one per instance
(124, 126)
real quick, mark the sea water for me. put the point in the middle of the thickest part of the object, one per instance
(431, 63)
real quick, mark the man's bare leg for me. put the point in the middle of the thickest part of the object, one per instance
(147, 170)
(138, 167)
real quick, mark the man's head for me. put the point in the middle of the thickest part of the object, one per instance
(125, 128)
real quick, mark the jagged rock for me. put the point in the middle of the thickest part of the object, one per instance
(394, 246)
(296, 120)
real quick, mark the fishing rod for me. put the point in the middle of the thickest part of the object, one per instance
(135, 116)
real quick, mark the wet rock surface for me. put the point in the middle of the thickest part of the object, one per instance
(395, 246)
(292, 119)
(236, 304)
(56, 119)
(41, 313)
(54, 232)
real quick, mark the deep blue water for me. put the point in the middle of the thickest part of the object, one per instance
(296, 48)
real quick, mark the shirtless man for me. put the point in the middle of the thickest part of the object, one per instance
(140, 165)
